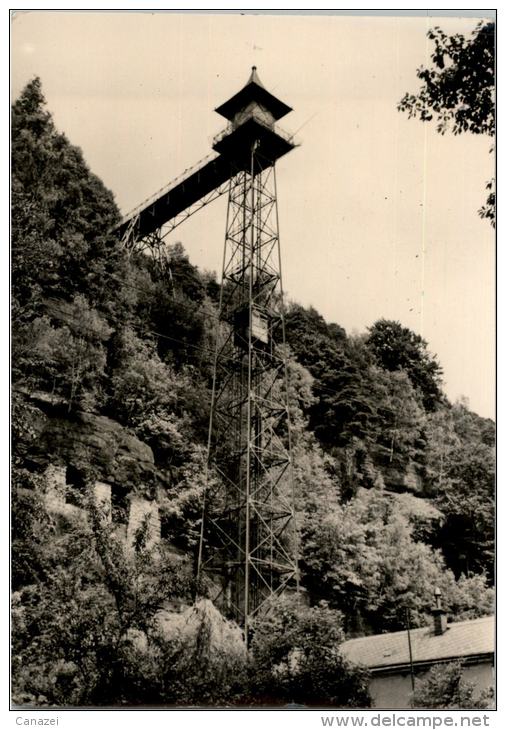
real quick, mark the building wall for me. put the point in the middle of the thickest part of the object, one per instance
(390, 691)
(481, 674)
(140, 509)
(56, 488)
(393, 691)
(102, 494)
(143, 510)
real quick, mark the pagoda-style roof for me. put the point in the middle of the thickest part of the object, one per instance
(253, 91)
(199, 185)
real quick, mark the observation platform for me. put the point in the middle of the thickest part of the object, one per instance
(252, 114)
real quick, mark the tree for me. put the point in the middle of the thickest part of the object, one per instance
(398, 348)
(64, 354)
(440, 439)
(470, 597)
(341, 411)
(31, 527)
(84, 617)
(444, 688)
(363, 559)
(467, 500)
(460, 475)
(140, 384)
(458, 92)
(171, 304)
(62, 216)
(181, 507)
(296, 658)
(400, 416)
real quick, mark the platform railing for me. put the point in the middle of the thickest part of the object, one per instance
(166, 188)
(252, 115)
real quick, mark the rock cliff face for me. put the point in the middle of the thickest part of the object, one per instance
(374, 468)
(403, 480)
(75, 447)
(91, 442)
(113, 454)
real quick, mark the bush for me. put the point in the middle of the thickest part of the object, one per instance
(296, 658)
(444, 688)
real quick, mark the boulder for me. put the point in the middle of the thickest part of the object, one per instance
(223, 637)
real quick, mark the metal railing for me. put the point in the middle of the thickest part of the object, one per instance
(166, 189)
(252, 115)
(190, 170)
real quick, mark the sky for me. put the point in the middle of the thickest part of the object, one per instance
(378, 212)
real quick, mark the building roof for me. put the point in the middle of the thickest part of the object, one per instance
(254, 90)
(462, 640)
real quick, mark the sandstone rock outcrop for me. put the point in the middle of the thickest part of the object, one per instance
(89, 441)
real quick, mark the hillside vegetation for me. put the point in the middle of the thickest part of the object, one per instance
(112, 367)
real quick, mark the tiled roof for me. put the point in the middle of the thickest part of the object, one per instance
(463, 639)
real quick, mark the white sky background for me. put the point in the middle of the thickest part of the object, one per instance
(378, 213)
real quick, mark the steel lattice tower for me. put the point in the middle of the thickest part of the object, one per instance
(248, 536)
(248, 542)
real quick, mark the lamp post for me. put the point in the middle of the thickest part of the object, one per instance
(408, 627)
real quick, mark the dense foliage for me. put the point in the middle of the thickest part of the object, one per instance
(394, 485)
(444, 688)
(397, 348)
(84, 622)
(296, 659)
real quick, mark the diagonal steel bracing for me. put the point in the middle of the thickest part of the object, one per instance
(248, 542)
(248, 550)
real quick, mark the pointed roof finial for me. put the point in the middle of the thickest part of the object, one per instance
(254, 77)
(254, 90)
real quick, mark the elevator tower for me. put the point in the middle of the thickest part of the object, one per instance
(248, 542)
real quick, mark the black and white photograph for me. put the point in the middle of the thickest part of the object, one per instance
(252, 361)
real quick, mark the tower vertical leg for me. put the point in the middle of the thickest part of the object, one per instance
(247, 551)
